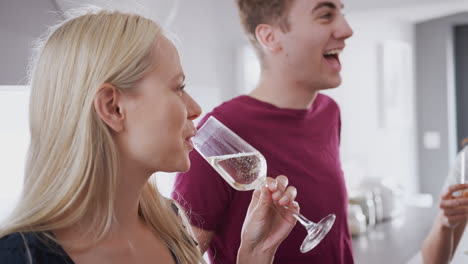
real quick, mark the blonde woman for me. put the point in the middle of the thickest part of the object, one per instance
(108, 109)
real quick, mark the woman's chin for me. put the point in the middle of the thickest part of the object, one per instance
(183, 166)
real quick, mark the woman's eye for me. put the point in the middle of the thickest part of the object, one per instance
(181, 89)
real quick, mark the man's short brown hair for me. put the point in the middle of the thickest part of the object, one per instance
(255, 12)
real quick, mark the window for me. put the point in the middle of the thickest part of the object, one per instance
(14, 141)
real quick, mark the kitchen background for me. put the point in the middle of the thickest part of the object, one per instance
(402, 99)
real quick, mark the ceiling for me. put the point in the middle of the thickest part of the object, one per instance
(411, 10)
(377, 4)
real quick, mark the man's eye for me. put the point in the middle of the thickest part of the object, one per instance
(327, 16)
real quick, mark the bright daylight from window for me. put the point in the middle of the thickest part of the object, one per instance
(14, 140)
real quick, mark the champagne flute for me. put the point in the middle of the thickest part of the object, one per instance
(244, 168)
(460, 173)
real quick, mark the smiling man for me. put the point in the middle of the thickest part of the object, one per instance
(285, 117)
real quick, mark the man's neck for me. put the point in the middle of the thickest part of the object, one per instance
(283, 93)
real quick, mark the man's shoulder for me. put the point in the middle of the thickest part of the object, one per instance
(229, 106)
(326, 100)
(227, 112)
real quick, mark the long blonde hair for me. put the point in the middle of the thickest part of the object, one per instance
(71, 170)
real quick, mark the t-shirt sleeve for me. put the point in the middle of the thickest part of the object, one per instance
(203, 194)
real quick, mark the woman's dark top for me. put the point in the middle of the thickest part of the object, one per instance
(41, 249)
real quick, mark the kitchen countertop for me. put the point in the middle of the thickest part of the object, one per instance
(394, 241)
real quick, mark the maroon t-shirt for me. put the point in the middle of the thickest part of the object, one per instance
(301, 144)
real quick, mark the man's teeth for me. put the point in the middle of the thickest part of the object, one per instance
(333, 52)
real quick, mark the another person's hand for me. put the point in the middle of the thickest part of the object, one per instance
(268, 222)
(454, 209)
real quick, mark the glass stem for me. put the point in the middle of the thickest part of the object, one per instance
(304, 221)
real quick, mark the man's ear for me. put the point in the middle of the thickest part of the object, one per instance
(267, 36)
(107, 106)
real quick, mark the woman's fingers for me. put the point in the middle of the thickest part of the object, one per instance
(453, 221)
(272, 184)
(282, 183)
(454, 188)
(278, 190)
(289, 195)
(453, 203)
(456, 211)
(254, 201)
(294, 206)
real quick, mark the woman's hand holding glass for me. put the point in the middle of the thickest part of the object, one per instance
(454, 207)
(268, 222)
(454, 203)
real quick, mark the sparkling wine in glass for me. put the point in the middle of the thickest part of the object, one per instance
(242, 171)
(244, 168)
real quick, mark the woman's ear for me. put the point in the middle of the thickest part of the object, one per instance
(107, 106)
(267, 37)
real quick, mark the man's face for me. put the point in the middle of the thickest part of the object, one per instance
(310, 49)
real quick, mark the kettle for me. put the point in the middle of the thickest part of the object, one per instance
(391, 195)
(363, 199)
(356, 220)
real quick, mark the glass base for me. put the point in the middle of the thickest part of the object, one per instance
(316, 232)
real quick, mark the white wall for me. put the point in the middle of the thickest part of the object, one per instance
(21, 22)
(14, 139)
(436, 92)
(368, 149)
